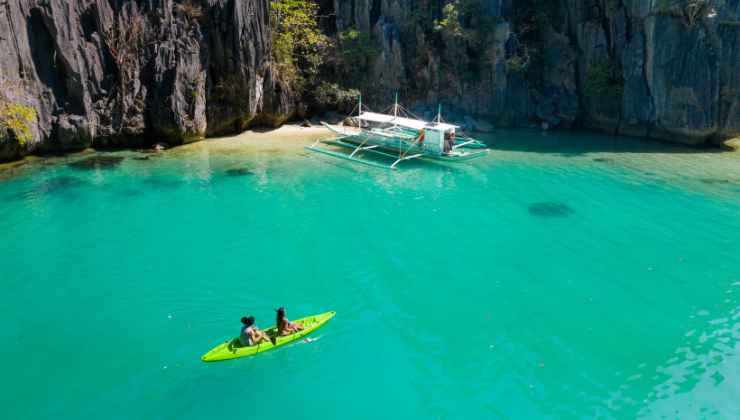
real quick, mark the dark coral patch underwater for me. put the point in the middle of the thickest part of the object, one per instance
(61, 183)
(715, 181)
(550, 210)
(97, 162)
(237, 172)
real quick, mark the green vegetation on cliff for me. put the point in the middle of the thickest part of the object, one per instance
(17, 118)
(356, 51)
(450, 22)
(603, 80)
(299, 45)
(331, 95)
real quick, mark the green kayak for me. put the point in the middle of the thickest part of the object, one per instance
(233, 349)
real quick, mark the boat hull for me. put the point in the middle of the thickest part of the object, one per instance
(393, 144)
(352, 142)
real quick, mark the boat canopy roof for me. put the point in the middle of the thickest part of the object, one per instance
(404, 122)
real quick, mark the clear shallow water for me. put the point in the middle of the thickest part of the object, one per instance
(563, 276)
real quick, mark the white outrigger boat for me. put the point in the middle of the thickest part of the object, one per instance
(399, 138)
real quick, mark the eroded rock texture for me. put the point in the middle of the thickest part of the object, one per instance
(111, 73)
(673, 66)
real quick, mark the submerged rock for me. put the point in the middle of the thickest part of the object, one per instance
(237, 172)
(61, 182)
(715, 181)
(160, 183)
(56, 185)
(550, 210)
(129, 192)
(97, 162)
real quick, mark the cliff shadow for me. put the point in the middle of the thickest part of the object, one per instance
(581, 143)
(49, 65)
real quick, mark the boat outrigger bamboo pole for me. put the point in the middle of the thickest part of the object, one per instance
(395, 115)
(359, 113)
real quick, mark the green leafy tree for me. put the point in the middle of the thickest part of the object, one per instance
(603, 80)
(17, 118)
(299, 45)
(357, 51)
(450, 22)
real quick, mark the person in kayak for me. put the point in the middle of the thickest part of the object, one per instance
(250, 334)
(284, 326)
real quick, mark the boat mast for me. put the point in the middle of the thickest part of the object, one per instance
(395, 107)
(439, 114)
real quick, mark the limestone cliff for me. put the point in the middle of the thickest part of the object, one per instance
(112, 73)
(662, 69)
(127, 73)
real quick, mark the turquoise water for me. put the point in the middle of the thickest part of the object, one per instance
(563, 276)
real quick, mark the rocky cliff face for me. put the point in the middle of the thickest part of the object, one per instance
(126, 73)
(662, 69)
(110, 73)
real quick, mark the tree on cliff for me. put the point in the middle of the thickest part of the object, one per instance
(298, 43)
(16, 119)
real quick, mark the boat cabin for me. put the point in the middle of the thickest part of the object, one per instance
(439, 138)
(435, 138)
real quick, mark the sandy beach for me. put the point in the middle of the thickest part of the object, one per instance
(289, 136)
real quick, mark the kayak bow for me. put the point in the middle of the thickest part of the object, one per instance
(233, 349)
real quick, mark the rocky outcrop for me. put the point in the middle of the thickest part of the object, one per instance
(126, 73)
(664, 69)
(120, 73)
(679, 66)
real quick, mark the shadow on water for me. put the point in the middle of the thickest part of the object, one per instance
(97, 162)
(574, 144)
(550, 210)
